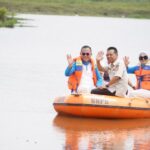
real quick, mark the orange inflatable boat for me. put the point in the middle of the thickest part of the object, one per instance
(102, 106)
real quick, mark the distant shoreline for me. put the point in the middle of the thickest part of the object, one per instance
(104, 8)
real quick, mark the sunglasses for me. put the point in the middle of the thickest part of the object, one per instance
(143, 57)
(87, 54)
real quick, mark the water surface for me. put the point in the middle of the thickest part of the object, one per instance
(32, 63)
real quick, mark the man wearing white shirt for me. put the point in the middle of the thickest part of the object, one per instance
(118, 84)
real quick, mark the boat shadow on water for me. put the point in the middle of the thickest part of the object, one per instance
(90, 133)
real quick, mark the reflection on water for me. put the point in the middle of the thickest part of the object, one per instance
(100, 134)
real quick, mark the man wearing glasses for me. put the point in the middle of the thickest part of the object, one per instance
(82, 72)
(142, 71)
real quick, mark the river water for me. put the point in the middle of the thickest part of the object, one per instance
(32, 63)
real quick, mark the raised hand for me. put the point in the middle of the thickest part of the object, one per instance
(126, 61)
(99, 56)
(70, 60)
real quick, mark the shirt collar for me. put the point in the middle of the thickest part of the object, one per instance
(85, 62)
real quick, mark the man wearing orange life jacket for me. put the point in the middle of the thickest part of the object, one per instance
(142, 71)
(82, 72)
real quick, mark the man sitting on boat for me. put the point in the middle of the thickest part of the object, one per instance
(83, 73)
(118, 84)
(142, 73)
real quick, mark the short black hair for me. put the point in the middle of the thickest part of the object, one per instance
(113, 48)
(86, 46)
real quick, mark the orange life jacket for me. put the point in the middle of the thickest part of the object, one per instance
(143, 77)
(74, 79)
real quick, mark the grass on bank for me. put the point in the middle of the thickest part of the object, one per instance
(113, 8)
(5, 19)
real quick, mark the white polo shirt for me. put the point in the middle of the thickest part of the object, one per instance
(86, 82)
(118, 69)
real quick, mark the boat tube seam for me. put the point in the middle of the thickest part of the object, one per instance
(106, 106)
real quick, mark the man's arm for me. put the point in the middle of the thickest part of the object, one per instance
(99, 57)
(70, 70)
(99, 78)
(129, 69)
(131, 85)
(132, 69)
(99, 66)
